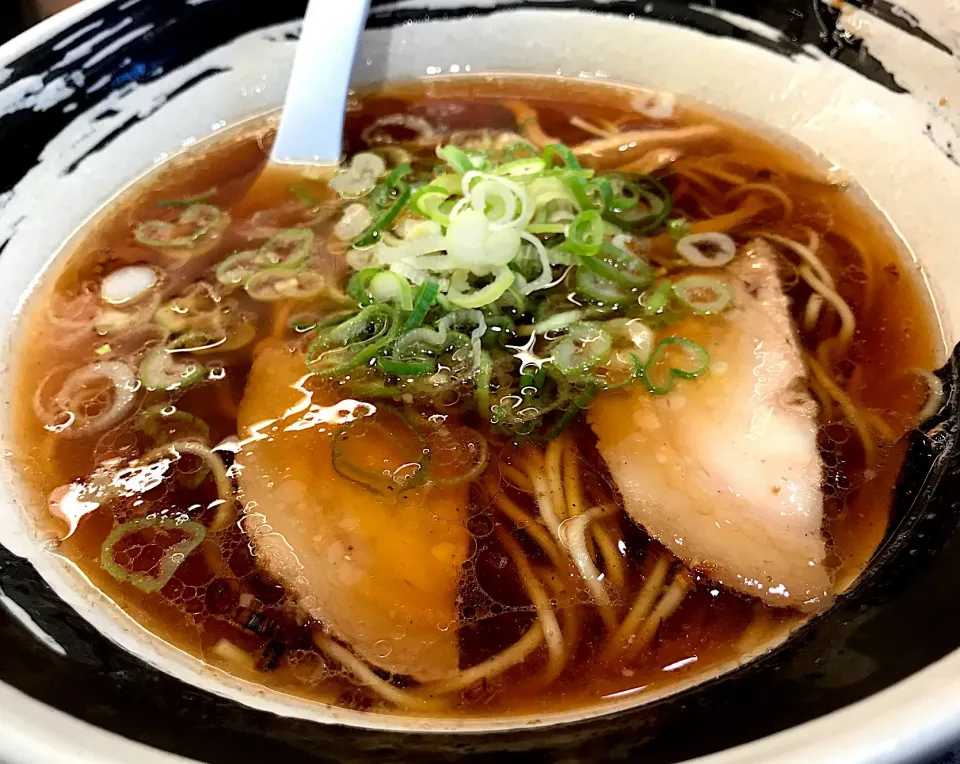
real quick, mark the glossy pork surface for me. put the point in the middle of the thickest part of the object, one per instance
(725, 470)
(380, 572)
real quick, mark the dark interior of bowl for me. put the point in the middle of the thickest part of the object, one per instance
(898, 619)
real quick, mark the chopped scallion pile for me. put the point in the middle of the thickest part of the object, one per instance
(520, 277)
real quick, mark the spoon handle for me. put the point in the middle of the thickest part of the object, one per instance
(311, 128)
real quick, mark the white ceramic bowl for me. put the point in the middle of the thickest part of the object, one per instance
(101, 94)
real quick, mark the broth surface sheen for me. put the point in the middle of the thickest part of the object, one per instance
(198, 446)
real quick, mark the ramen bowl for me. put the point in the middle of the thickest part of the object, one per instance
(104, 93)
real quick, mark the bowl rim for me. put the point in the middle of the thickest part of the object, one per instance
(48, 27)
(918, 716)
(907, 720)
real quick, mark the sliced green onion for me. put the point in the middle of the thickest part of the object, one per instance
(302, 194)
(161, 369)
(528, 262)
(173, 556)
(310, 320)
(479, 158)
(613, 230)
(580, 402)
(470, 322)
(422, 302)
(596, 288)
(128, 284)
(189, 201)
(600, 192)
(458, 159)
(385, 219)
(288, 249)
(195, 223)
(633, 345)
(549, 192)
(182, 313)
(406, 368)
(463, 296)
(391, 154)
(674, 358)
(619, 371)
(512, 302)
(371, 385)
(657, 204)
(389, 200)
(556, 302)
(417, 352)
(703, 294)
(586, 345)
(354, 220)
(358, 285)
(196, 340)
(629, 191)
(165, 423)
(426, 202)
(623, 268)
(484, 374)
(530, 166)
(634, 336)
(451, 182)
(522, 415)
(420, 340)
(111, 320)
(360, 176)
(558, 321)
(279, 284)
(499, 330)
(236, 269)
(568, 158)
(557, 256)
(304, 322)
(578, 187)
(390, 186)
(387, 286)
(546, 228)
(520, 150)
(458, 454)
(654, 301)
(411, 368)
(707, 250)
(626, 194)
(337, 318)
(532, 381)
(678, 227)
(584, 234)
(337, 349)
(384, 453)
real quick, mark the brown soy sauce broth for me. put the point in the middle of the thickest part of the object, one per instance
(219, 592)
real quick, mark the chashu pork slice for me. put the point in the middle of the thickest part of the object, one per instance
(380, 572)
(724, 470)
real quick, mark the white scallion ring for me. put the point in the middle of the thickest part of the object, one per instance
(127, 284)
(707, 250)
(125, 386)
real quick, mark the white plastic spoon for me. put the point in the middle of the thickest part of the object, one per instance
(310, 137)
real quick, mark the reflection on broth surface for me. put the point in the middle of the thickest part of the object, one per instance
(555, 393)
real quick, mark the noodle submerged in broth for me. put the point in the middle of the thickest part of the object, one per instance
(554, 393)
